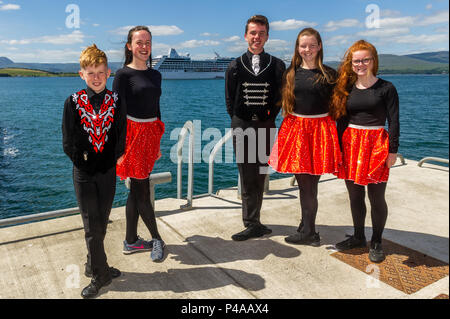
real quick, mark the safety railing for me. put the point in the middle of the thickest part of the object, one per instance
(155, 179)
(158, 178)
(432, 159)
(187, 128)
(212, 157)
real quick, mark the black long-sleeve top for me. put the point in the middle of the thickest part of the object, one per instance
(312, 97)
(232, 81)
(372, 107)
(93, 138)
(139, 91)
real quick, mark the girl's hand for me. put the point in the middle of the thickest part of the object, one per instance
(120, 160)
(392, 158)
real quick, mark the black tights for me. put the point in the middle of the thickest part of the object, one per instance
(138, 204)
(307, 185)
(379, 209)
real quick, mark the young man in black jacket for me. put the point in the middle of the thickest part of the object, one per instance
(94, 131)
(253, 91)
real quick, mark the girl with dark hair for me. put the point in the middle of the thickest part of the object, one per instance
(139, 89)
(307, 143)
(362, 103)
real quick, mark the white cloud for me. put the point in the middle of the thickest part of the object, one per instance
(207, 34)
(429, 6)
(8, 7)
(165, 30)
(338, 40)
(383, 33)
(291, 24)
(234, 38)
(423, 38)
(238, 47)
(436, 18)
(277, 45)
(46, 56)
(74, 37)
(156, 30)
(198, 43)
(397, 22)
(346, 23)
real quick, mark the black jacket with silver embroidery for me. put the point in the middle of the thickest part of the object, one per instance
(248, 94)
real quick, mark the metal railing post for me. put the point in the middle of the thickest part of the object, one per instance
(212, 157)
(187, 128)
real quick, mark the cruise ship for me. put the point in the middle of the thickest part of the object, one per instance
(177, 67)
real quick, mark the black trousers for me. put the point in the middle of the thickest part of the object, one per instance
(95, 195)
(252, 143)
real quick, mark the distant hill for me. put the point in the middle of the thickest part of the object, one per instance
(440, 57)
(423, 63)
(51, 67)
(5, 62)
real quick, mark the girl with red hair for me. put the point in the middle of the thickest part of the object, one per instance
(307, 144)
(362, 102)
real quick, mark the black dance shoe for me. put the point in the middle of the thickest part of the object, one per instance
(376, 253)
(350, 243)
(94, 287)
(114, 272)
(300, 238)
(252, 231)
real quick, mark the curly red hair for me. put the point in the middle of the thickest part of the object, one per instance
(346, 77)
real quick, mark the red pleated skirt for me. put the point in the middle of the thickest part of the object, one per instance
(142, 149)
(364, 155)
(306, 146)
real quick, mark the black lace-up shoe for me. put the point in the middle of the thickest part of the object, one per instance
(94, 287)
(351, 242)
(113, 271)
(300, 238)
(253, 231)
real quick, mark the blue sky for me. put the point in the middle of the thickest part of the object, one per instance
(42, 30)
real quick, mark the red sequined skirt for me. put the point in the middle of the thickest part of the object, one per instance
(364, 155)
(306, 146)
(142, 149)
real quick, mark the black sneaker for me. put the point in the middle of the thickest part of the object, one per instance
(300, 238)
(351, 242)
(376, 253)
(253, 231)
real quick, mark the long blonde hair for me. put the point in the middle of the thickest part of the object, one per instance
(288, 96)
(346, 77)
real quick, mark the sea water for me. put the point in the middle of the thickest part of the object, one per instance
(36, 175)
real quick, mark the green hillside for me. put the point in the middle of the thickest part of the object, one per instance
(20, 72)
(390, 63)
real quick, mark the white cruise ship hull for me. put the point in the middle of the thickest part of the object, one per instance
(182, 75)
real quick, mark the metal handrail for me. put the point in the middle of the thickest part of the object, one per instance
(187, 128)
(157, 178)
(38, 217)
(212, 157)
(434, 159)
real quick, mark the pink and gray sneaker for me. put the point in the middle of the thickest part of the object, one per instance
(139, 245)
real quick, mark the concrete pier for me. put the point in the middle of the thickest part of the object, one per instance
(46, 259)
